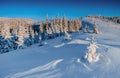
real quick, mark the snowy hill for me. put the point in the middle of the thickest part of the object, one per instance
(60, 58)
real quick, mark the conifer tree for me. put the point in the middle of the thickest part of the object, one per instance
(21, 37)
(65, 24)
(61, 26)
(57, 27)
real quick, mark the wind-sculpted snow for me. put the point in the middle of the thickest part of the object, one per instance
(32, 73)
(78, 41)
(60, 45)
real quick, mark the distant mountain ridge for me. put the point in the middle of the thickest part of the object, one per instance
(115, 19)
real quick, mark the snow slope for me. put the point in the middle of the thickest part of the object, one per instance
(64, 59)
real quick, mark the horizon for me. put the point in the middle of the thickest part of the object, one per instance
(37, 9)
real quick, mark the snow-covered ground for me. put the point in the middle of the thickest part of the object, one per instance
(65, 59)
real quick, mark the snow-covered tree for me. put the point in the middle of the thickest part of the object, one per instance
(6, 31)
(85, 29)
(91, 55)
(2, 44)
(7, 39)
(57, 26)
(7, 35)
(71, 26)
(41, 27)
(40, 41)
(20, 36)
(76, 24)
(79, 23)
(95, 29)
(31, 35)
(61, 26)
(65, 24)
(67, 35)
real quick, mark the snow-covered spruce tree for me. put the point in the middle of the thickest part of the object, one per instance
(76, 24)
(91, 55)
(79, 23)
(2, 44)
(41, 29)
(47, 30)
(31, 34)
(6, 31)
(20, 36)
(57, 26)
(95, 30)
(71, 27)
(54, 28)
(7, 42)
(61, 26)
(27, 39)
(8, 38)
(65, 24)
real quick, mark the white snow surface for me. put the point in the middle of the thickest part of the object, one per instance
(64, 59)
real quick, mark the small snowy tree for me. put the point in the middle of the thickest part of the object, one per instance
(85, 29)
(95, 29)
(40, 41)
(67, 35)
(91, 55)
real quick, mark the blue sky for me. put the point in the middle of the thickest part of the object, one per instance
(37, 9)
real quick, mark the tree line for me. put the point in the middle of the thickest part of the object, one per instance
(21, 33)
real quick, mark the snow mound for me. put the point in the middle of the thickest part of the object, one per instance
(77, 41)
(27, 74)
(85, 65)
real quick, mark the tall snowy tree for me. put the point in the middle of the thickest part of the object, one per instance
(65, 24)
(77, 24)
(6, 30)
(20, 36)
(57, 26)
(61, 26)
(71, 26)
(7, 42)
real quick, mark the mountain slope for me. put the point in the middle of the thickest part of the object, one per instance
(64, 59)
